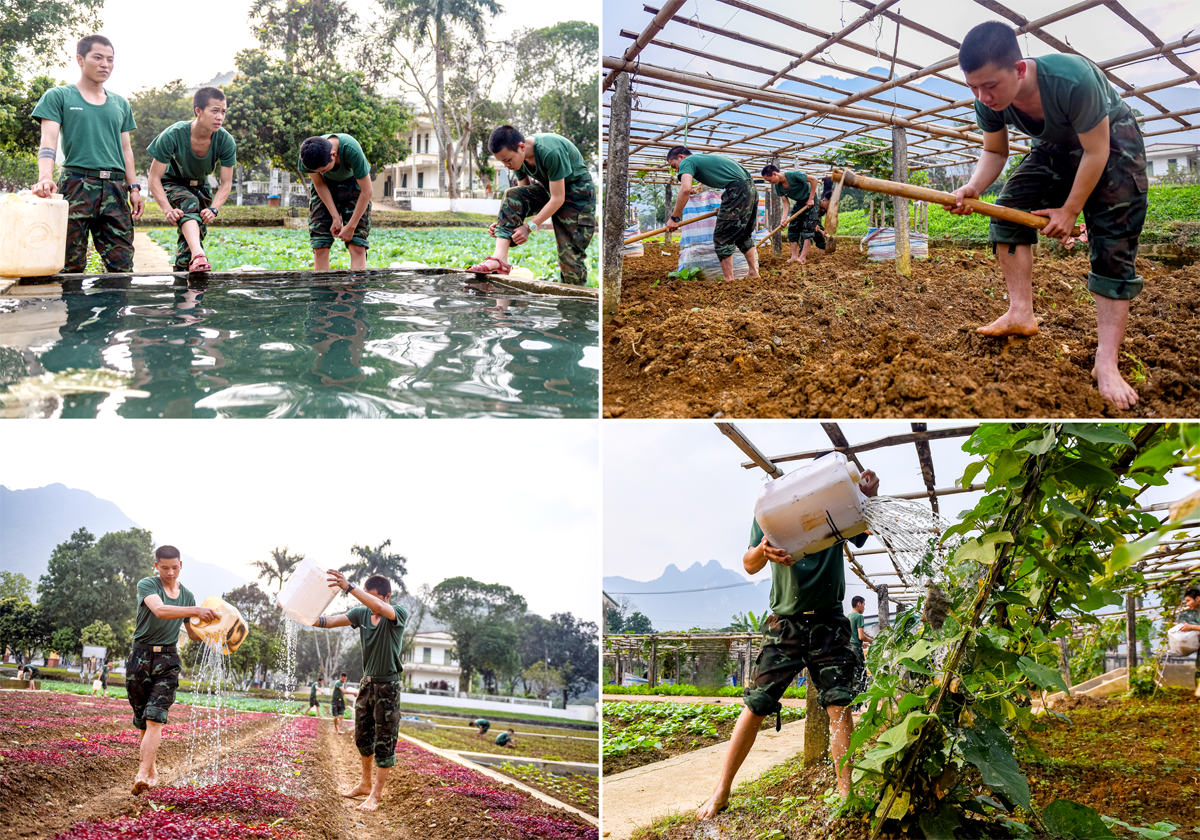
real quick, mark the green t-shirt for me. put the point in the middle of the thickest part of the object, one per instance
(337, 691)
(1076, 96)
(1188, 617)
(555, 158)
(91, 134)
(482, 722)
(502, 739)
(174, 148)
(857, 622)
(796, 188)
(381, 643)
(352, 161)
(312, 693)
(813, 582)
(716, 171)
(152, 630)
(104, 672)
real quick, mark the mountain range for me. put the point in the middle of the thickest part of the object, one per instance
(33, 522)
(712, 607)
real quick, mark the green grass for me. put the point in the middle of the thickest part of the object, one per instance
(793, 692)
(492, 716)
(527, 746)
(289, 250)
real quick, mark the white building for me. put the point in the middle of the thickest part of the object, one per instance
(432, 660)
(417, 175)
(1160, 156)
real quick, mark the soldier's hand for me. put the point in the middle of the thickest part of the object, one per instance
(672, 225)
(870, 483)
(207, 216)
(520, 235)
(492, 229)
(335, 227)
(174, 214)
(775, 555)
(963, 192)
(137, 203)
(1061, 223)
(44, 188)
(206, 615)
(345, 234)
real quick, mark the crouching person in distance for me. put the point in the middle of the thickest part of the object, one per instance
(799, 193)
(554, 187)
(185, 154)
(738, 215)
(377, 708)
(339, 198)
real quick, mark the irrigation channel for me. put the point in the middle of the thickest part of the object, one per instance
(67, 764)
(372, 343)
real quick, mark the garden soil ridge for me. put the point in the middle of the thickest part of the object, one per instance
(844, 337)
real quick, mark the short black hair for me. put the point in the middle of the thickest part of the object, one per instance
(342, 674)
(165, 552)
(678, 151)
(316, 152)
(378, 583)
(505, 137)
(856, 600)
(202, 97)
(989, 43)
(1193, 593)
(85, 44)
(769, 169)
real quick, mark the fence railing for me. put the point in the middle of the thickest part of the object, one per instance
(264, 188)
(516, 701)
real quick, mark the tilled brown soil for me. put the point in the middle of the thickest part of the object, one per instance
(845, 337)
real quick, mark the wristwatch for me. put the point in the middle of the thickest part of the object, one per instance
(534, 226)
(133, 187)
(213, 210)
(351, 589)
(676, 218)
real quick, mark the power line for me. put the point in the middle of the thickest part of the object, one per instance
(682, 591)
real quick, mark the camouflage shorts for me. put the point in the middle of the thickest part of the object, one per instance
(150, 681)
(736, 220)
(191, 200)
(574, 223)
(804, 227)
(820, 643)
(100, 207)
(345, 197)
(1115, 211)
(377, 721)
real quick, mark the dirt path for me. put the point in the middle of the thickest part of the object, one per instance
(638, 797)
(149, 256)
(643, 698)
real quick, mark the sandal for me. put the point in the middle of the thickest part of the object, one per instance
(481, 268)
(203, 268)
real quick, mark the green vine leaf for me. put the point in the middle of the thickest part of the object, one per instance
(1098, 433)
(986, 746)
(1064, 818)
(1040, 675)
(1069, 511)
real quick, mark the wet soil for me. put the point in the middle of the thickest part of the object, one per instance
(844, 337)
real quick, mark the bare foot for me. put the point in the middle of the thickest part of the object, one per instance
(715, 804)
(358, 790)
(753, 277)
(372, 804)
(1009, 324)
(1112, 386)
(140, 786)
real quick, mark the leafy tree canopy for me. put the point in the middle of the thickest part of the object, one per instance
(306, 32)
(557, 70)
(99, 633)
(23, 625)
(575, 653)
(38, 29)
(278, 568)
(20, 133)
(377, 561)
(154, 110)
(15, 585)
(465, 606)
(65, 641)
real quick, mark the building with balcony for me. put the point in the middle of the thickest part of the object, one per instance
(432, 660)
(1161, 156)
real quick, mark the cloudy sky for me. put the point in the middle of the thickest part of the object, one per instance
(677, 493)
(512, 503)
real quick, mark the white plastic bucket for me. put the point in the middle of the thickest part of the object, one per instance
(1183, 642)
(229, 629)
(33, 235)
(307, 593)
(805, 511)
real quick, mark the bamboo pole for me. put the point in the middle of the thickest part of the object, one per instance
(655, 26)
(663, 229)
(900, 205)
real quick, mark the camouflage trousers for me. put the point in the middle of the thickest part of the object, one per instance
(191, 200)
(820, 643)
(100, 207)
(736, 219)
(804, 227)
(1115, 211)
(345, 197)
(150, 681)
(574, 223)
(377, 721)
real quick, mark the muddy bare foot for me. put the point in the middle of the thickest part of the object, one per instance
(358, 790)
(140, 786)
(715, 804)
(372, 804)
(1009, 324)
(753, 277)
(1113, 387)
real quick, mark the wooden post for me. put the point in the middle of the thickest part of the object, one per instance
(774, 214)
(1066, 659)
(670, 205)
(616, 190)
(816, 725)
(653, 673)
(900, 205)
(1131, 631)
(881, 592)
(678, 673)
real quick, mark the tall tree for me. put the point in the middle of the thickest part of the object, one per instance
(377, 561)
(557, 76)
(575, 653)
(465, 606)
(155, 109)
(15, 585)
(430, 22)
(257, 607)
(24, 626)
(494, 653)
(308, 33)
(278, 567)
(37, 29)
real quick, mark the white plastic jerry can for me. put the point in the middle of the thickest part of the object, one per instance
(229, 629)
(811, 508)
(307, 593)
(33, 235)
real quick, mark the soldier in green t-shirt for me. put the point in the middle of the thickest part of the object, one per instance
(152, 672)
(1087, 155)
(185, 154)
(484, 725)
(506, 739)
(377, 709)
(314, 701)
(98, 178)
(859, 640)
(339, 197)
(738, 215)
(338, 703)
(555, 189)
(805, 630)
(795, 186)
(1189, 619)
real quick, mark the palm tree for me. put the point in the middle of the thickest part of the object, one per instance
(278, 567)
(432, 19)
(376, 561)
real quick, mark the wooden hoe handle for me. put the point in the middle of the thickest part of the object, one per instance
(879, 185)
(657, 231)
(782, 225)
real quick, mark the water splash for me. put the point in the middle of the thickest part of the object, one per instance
(209, 712)
(911, 532)
(285, 669)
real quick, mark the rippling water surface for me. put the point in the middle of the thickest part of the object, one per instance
(410, 345)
